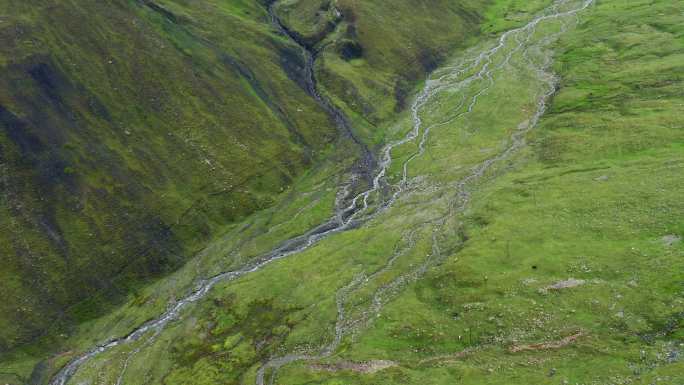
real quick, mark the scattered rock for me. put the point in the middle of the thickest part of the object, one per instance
(476, 306)
(671, 240)
(362, 367)
(568, 284)
(673, 356)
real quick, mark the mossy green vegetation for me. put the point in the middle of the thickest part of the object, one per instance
(560, 262)
(135, 132)
(131, 135)
(572, 269)
(372, 53)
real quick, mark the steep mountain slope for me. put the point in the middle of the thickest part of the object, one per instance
(133, 132)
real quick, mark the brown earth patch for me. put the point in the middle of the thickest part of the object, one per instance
(359, 367)
(547, 345)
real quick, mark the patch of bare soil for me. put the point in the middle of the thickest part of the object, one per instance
(547, 345)
(570, 283)
(359, 367)
(671, 240)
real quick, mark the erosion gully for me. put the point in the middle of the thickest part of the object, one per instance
(310, 54)
(356, 209)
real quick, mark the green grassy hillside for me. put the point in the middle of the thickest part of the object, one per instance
(373, 52)
(536, 236)
(570, 265)
(133, 132)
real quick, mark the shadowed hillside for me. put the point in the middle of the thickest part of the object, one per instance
(131, 133)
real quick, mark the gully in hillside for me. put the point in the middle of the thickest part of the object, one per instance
(310, 53)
